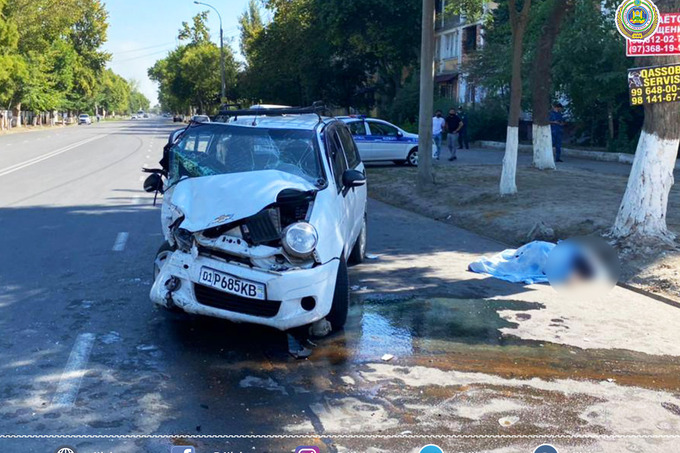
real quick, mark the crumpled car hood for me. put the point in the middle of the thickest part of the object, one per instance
(211, 201)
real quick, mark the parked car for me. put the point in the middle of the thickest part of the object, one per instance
(379, 140)
(84, 119)
(177, 119)
(200, 118)
(133, 117)
(261, 216)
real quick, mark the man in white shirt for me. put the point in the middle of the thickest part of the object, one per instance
(437, 128)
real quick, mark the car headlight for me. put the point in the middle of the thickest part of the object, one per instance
(299, 239)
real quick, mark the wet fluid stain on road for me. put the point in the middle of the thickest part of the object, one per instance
(452, 371)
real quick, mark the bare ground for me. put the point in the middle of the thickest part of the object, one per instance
(571, 202)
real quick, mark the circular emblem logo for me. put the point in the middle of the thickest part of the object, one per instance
(545, 448)
(65, 450)
(637, 20)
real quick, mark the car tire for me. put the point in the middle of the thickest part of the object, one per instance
(338, 314)
(358, 253)
(163, 253)
(412, 158)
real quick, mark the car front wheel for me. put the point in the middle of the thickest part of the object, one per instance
(338, 314)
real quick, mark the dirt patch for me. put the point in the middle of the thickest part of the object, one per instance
(565, 203)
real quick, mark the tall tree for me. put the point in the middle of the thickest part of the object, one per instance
(518, 23)
(251, 26)
(642, 214)
(541, 83)
(189, 76)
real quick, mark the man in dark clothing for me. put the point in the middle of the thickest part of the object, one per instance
(556, 125)
(453, 126)
(462, 135)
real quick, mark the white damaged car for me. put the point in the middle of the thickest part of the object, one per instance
(261, 216)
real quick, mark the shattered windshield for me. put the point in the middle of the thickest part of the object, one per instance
(212, 149)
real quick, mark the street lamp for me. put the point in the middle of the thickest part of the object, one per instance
(224, 87)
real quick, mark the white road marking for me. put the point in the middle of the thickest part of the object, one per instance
(69, 383)
(136, 199)
(121, 239)
(35, 160)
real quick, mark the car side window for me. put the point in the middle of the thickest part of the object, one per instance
(350, 148)
(196, 143)
(382, 129)
(357, 128)
(337, 157)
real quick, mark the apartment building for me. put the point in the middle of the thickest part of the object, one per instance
(455, 39)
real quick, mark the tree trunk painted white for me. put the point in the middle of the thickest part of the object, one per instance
(643, 209)
(543, 153)
(508, 185)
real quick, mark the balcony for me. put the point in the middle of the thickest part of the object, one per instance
(447, 66)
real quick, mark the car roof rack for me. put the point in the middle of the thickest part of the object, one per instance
(318, 108)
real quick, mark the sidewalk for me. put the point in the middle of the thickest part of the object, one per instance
(494, 156)
(22, 129)
(476, 355)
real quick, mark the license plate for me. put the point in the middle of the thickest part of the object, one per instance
(231, 284)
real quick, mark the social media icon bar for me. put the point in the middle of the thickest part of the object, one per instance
(431, 449)
(307, 450)
(183, 449)
(545, 448)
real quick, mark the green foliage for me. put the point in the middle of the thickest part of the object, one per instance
(591, 72)
(346, 52)
(50, 56)
(190, 74)
(251, 26)
(198, 32)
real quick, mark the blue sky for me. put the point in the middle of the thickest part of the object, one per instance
(143, 31)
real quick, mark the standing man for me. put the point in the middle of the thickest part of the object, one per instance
(462, 135)
(556, 125)
(453, 126)
(438, 124)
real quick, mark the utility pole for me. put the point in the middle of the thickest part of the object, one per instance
(223, 92)
(425, 174)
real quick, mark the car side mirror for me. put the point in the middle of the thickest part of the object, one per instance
(399, 134)
(353, 178)
(154, 183)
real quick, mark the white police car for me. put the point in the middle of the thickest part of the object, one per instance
(379, 140)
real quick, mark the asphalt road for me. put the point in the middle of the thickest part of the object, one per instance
(83, 351)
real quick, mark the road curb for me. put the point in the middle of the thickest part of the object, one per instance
(603, 156)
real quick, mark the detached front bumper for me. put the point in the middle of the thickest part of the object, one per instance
(285, 291)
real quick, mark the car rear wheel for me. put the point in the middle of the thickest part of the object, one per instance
(359, 250)
(338, 314)
(412, 158)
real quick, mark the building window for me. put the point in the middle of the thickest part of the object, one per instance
(469, 39)
(450, 45)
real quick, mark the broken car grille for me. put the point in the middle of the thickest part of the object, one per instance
(228, 257)
(218, 299)
(261, 228)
